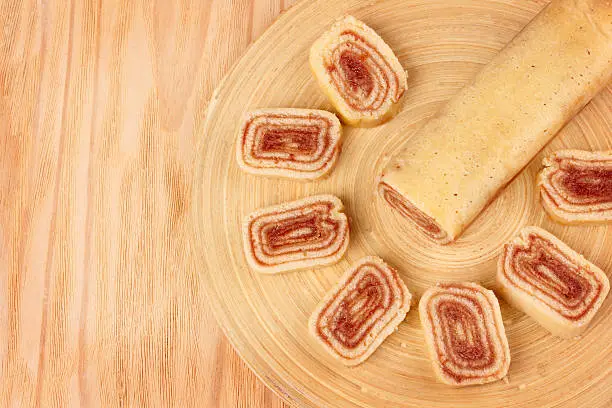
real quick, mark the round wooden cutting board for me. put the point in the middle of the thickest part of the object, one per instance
(442, 44)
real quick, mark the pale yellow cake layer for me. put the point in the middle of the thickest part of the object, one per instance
(493, 127)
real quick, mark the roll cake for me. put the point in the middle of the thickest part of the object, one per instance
(361, 311)
(287, 142)
(464, 333)
(546, 279)
(358, 72)
(297, 235)
(576, 186)
(460, 159)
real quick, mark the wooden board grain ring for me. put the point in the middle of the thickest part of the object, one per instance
(442, 44)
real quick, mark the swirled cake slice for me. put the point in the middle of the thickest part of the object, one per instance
(358, 72)
(364, 308)
(576, 186)
(287, 142)
(464, 333)
(546, 279)
(297, 235)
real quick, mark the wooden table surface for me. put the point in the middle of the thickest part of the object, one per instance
(101, 103)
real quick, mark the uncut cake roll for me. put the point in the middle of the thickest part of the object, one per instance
(576, 186)
(296, 235)
(546, 279)
(358, 72)
(464, 333)
(361, 311)
(287, 142)
(447, 173)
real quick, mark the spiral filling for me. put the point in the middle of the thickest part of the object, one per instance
(370, 298)
(541, 267)
(301, 143)
(310, 231)
(465, 333)
(355, 314)
(361, 74)
(579, 185)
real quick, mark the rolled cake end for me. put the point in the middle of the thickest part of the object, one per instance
(424, 223)
(358, 72)
(547, 280)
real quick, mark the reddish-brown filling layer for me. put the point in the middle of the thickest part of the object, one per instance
(356, 72)
(291, 140)
(294, 235)
(355, 309)
(591, 183)
(347, 324)
(544, 266)
(357, 79)
(584, 184)
(409, 211)
(302, 230)
(468, 349)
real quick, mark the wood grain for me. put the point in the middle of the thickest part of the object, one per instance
(442, 44)
(101, 302)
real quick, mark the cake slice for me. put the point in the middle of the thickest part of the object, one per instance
(546, 279)
(464, 333)
(363, 309)
(300, 234)
(576, 186)
(286, 142)
(358, 72)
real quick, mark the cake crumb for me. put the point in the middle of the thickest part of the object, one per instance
(522, 387)
(403, 345)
